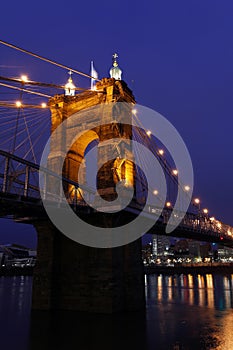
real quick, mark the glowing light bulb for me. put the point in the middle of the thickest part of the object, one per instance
(205, 211)
(155, 192)
(18, 104)
(168, 204)
(134, 111)
(219, 225)
(187, 188)
(148, 132)
(43, 105)
(197, 201)
(24, 78)
(175, 172)
(161, 152)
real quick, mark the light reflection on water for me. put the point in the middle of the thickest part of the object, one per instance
(15, 304)
(194, 310)
(213, 291)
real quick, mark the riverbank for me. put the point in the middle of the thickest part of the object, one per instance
(152, 269)
(16, 271)
(189, 268)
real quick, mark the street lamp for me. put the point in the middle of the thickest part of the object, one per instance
(197, 203)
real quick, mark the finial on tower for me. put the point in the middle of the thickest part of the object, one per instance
(70, 87)
(115, 71)
(115, 56)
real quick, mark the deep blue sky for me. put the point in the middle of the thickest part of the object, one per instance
(177, 56)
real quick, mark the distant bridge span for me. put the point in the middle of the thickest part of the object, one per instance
(20, 198)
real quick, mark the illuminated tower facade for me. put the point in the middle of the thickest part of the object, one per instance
(69, 275)
(109, 92)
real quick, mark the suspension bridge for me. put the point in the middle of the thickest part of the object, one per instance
(25, 127)
(28, 114)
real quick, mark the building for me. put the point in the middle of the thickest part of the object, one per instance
(225, 254)
(160, 245)
(194, 249)
(14, 255)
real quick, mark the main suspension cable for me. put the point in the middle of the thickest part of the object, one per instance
(46, 59)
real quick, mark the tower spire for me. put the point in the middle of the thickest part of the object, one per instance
(115, 71)
(114, 57)
(70, 87)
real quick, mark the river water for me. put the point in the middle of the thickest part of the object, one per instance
(182, 312)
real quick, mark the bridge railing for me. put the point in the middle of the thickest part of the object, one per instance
(20, 178)
(196, 222)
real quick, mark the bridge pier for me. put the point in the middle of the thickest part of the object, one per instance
(71, 276)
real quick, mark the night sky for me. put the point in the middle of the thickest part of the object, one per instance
(176, 56)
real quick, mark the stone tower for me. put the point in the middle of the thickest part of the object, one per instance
(70, 275)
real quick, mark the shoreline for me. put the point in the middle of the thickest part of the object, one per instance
(194, 269)
(16, 271)
(148, 270)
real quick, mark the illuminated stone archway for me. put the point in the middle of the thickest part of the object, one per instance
(120, 168)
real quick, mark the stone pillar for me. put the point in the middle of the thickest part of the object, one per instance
(71, 276)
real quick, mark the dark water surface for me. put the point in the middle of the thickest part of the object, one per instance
(189, 311)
